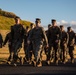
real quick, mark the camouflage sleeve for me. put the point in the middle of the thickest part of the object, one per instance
(12, 32)
(1, 38)
(6, 39)
(67, 36)
(30, 35)
(23, 32)
(48, 35)
(44, 36)
(60, 36)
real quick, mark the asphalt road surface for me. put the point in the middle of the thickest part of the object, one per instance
(26, 69)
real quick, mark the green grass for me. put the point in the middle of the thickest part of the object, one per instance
(6, 22)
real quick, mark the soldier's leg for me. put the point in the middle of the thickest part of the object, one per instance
(48, 55)
(16, 51)
(64, 55)
(67, 53)
(56, 55)
(25, 51)
(12, 52)
(61, 55)
(64, 52)
(38, 54)
(72, 54)
(9, 53)
(61, 52)
(11, 56)
(56, 47)
(30, 52)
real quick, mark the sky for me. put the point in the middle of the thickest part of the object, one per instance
(64, 11)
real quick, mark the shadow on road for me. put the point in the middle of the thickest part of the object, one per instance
(26, 69)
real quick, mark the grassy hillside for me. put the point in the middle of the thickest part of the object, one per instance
(6, 22)
(7, 19)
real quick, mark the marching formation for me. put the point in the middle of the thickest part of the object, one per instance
(55, 42)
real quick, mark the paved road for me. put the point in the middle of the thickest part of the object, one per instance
(26, 69)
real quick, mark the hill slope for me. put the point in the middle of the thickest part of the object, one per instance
(7, 20)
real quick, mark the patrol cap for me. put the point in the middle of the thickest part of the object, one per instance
(11, 27)
(31, 24)
(38, 20)
(68, 28)
(27, 27)
(61, 26)
(49, 25)
(53, 20)
(16, 18)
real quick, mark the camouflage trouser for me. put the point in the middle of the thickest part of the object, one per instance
(0, 45)
(25, 50)
(71, 49)
(64, 49)
(29, 51)
(37, 52)
(53, 51)
(16, 48)
(50, 54)
(10, 52)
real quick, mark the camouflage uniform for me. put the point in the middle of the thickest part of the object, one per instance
(46, 49)
(17, 39)
(37, 36)
(8, 39)
(54, 34)
(26, 34)
(63, 45)
(30, 49)
(71, 44)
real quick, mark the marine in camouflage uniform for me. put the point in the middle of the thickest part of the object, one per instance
(30, 46)
(54, 37)
(17, 38)
(37, 34)
(46, 49)
(63, 44)
(71, 43)
(8, 39)
(26, 34)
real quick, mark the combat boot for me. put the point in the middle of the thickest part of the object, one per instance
(21, 60)
(48, 62)
(39, 65)
(34, 62)
(56, 62)
(72, 61)
(30, 62)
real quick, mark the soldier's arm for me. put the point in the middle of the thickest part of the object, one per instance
(48, 35)
(30, 36)
(12, 32)
(23, 33)
(75, 38)
(6, 40)
(67, 37)
(1, 38)
(60, 34)
(44, 36)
